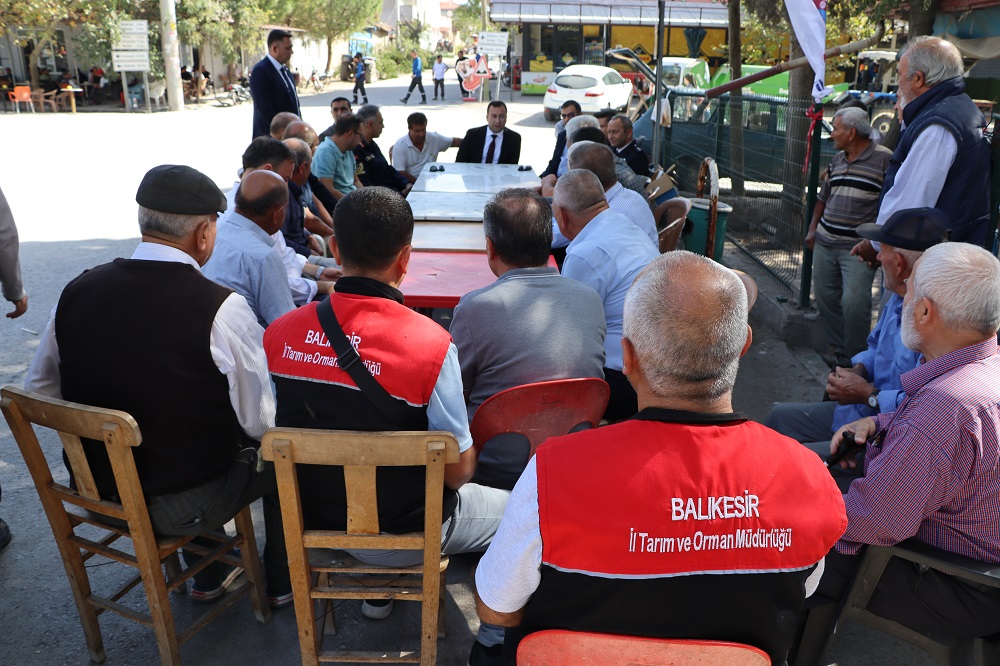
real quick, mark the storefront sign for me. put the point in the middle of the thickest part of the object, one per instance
(536, 83)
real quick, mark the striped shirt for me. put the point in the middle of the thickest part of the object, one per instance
(933, 470)
(850, 193)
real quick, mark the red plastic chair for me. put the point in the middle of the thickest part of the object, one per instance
(557, 647)
(21, 95)
(540, 410)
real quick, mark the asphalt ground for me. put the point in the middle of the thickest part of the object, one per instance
(71, 182)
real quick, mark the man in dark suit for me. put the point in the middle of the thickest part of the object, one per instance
(271, 84)
(620, 138)
(503, 147)
(568, 111)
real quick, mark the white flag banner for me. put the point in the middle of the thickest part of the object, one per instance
(809, 23)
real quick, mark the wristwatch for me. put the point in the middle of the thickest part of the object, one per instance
(873, 400)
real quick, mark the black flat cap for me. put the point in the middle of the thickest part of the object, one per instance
(179, 189)
(910, 229)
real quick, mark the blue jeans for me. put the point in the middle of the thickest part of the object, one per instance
(843, 297)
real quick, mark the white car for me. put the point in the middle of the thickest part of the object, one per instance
(592, 86)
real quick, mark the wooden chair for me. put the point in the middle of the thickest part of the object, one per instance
(946, 650)
(558, 647)
(360, 453)
(67, 509)
(21, 95)
(670, 217)
(41, 99)
(540, 410)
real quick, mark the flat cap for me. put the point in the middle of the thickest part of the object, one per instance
(910, 229)
(181, 190)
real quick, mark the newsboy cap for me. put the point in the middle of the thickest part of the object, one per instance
(909, 229)
(181, 190)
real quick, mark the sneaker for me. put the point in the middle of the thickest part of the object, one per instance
(280, 600)
(4, 534)
(485, 656)
(376, 609)
(203, 594)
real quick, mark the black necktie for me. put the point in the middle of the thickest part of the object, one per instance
(290, 84)
(491, 149)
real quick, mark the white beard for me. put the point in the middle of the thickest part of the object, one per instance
(908, 333)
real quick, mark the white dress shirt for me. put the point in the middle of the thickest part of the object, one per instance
(236, 344)
(486, 145)
(634, 207)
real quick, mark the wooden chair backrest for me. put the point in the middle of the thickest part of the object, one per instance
(557, 647)
(541, 410)
(360, 454)
(73, 421)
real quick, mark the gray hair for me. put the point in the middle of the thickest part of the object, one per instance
(937, 59)
(300, 151)
(596, 158)
(623, 119)
(686, 317)
(579, 122)
(963, 282)
(366, 112)
(171, 225)
(855, 119)
(577, 190)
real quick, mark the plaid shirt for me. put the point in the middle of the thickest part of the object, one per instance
(933, 469)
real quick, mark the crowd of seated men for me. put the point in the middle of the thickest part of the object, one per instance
(669, 521)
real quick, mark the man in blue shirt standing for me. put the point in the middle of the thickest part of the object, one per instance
(359, 78)
(872, 386)
(417, 81)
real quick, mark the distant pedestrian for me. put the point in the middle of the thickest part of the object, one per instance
(13, 290)
(416, 80)
(359, 78)
(440, 67)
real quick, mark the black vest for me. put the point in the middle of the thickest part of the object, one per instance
(135, 336)
(966, 194)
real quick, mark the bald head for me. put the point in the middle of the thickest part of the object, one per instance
(596, 158)
(280, 122)
(686, 319)
(262, 197)
(301, 130)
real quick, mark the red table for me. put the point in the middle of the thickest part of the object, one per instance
(440, 279)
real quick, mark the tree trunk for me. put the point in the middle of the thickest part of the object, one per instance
(329, 55)
(736, 100)
(797, 124)
(44, 39)
(922, 14)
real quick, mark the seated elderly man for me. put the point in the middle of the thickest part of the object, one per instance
(530, 325)
(317, 199)
(599, 159)
(373, 168)
(606, 532)
(872, 386)
(417, 368)
(931, 466)
(244, 258)
(280, 122)
(606, 252)
(418, 147)
(301, 226)
(183, 356)
(585, 130)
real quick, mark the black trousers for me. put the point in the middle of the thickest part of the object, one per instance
(438, 85)
(416, 82)
(359, 86)
(922, 599)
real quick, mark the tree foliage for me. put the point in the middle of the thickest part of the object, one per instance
(330, 19)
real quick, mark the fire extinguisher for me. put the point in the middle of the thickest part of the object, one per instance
(516, 75)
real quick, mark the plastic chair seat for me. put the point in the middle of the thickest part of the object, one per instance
(558, 647)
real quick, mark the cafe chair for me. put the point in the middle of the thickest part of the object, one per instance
(21, 95)
(670, 217)
(158, 92)
(75, 518)
(41, 99)
(558, 647)
(946, 650)
(320, 576)
(541, 410)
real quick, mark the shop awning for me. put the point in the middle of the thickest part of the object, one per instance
(608, 12)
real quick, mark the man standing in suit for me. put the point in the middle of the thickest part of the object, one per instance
(271, 84)
(503, 146)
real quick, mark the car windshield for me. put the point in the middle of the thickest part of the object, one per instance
(671, 75)
(575, 81)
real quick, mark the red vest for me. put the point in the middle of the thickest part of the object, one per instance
(679, 498)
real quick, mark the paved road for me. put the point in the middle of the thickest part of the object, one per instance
(72, 188)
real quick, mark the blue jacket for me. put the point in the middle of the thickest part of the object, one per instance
(966, 194)
(359, 70)
(418, 67)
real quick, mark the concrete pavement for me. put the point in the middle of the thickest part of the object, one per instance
(72, 188)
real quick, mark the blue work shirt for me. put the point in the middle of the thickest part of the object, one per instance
(885, 360)
(359, 70)
(245, 261)
(607, 255)
(418, 67)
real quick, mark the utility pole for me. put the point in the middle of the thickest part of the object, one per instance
(171, 55)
